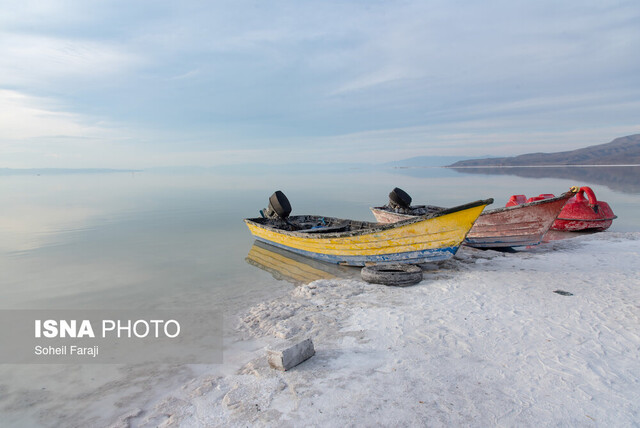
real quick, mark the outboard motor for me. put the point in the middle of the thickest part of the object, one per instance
(279, 207)
(399, 199)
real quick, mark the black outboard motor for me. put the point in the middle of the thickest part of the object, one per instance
(399, 199)
(279, 207)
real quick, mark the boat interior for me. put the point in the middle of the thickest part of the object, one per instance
(310, 224)
(412, 210)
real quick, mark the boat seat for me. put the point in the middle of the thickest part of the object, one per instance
(326, 229)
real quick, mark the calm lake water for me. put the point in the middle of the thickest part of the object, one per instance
(168, 240)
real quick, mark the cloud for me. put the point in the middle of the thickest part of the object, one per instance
(38, 132)
(26, 117)
(235, 76)
(471, 138)
(35, 61)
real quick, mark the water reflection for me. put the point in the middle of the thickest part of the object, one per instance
(294, 268)
(625, 179)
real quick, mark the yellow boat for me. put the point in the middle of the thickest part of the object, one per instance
(428, 238)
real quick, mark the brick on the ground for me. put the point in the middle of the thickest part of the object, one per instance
(288, 355)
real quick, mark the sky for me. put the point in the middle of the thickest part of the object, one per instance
(138, 84)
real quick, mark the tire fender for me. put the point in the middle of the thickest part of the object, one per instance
(392, 274)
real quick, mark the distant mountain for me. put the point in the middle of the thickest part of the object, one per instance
(424, 161)
(621, 151)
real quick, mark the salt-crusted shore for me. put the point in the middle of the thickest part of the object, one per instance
(482, 341)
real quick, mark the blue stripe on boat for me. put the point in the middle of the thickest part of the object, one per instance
(423, 256)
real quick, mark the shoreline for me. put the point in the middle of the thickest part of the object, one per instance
(482, 340)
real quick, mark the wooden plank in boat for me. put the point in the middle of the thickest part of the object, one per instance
(326, 229)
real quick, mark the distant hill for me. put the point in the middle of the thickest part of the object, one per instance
(621, 151)
(425, 161)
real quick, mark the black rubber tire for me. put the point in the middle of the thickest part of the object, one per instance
(279, 203)
(400, 197)
(394, 274)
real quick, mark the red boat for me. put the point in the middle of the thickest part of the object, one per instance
(517, 225)
(579, 214)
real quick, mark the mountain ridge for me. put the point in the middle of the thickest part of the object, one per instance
(620, 151)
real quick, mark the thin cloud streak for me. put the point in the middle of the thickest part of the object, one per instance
(40, 62)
